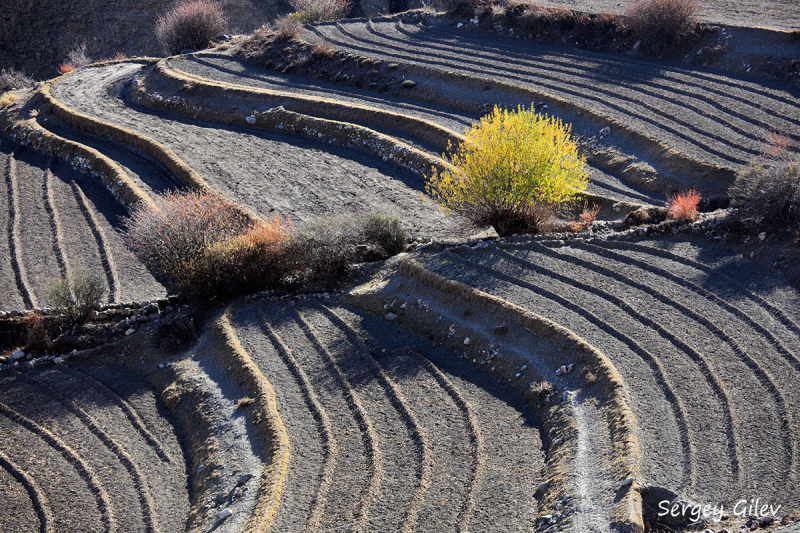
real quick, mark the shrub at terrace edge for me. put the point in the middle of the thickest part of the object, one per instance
(663, 25)
(190, 25)
(513, 172)
(312, 11)
(77, 296)
(208, 249)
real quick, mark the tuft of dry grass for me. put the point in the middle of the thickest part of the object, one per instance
(312, 11)
(63, 68)
(7, 99)
(285, 29)
(190, 25)
(542, 389)
(245, 402)
(663, 25)
(683, 206)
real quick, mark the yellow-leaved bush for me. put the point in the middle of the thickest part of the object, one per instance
(513, 172)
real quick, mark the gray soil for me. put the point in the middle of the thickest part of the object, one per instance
(88, 447)
(781, 15)
(269, 173)
(56, 222)
(714, 118)
(708, 353)
(221, 67)
(389, 431)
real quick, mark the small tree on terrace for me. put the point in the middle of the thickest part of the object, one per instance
(513, 172)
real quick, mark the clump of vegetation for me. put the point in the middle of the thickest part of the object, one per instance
(7, 99)
(207, 248)
(312, 11)
(768, 191)
(513, 172)
(586, 218)
(190, 25)
(14, 79)
(77, 296)
(663, 25)
(683, 206)
(284, 28)
(77, 56)
(542, 389)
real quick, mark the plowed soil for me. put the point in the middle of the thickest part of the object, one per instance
(267, 172)
(707, 349)
(87, 447)
(56, 222)
(714, 118)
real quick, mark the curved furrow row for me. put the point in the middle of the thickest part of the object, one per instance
(15, 252)
(320, 416)
(773, 310)
(128, 462)
(789, 355)
(676, 404)
(106, 256)
(55, 223)
(694, 96)
(37, 496)
(88, 476)
(368, 437)
(398, 402)
(709, 370)
(705, 369)
(477, 448)
(128, 410)
(686, 132)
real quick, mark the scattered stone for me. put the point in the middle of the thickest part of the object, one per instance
(129, 331)
(18, 355)
(605, 131)
(467, 341)
(408, 84)
(762, 236)
(244, 478)
(541, 486)
(223, 514)
(627, 481)
(390, 316)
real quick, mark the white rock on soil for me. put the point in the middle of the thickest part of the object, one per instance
(18, 355)
(467, 341)
(250, 120)
(223, 514)
(390, 316)
(762, 236)
(130, 331)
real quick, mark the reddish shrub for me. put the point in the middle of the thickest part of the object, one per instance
(683, 206)
(63, 68)
(586, 218)
(190, 25)
(663, 26)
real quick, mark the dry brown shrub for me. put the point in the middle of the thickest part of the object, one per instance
(286, 29)
(14, 79)
(39, 338)
(190, 25)
(312, 11)
(63, 68)
(663, 26)
(586, 218)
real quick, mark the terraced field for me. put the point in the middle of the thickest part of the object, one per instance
(388, 430)
(57, 221)
(267, 172)
(220, 67)
(87, 448)
(707, 349)
(779, 14)
(711, 118)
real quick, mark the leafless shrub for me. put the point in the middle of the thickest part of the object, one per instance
(286, 28)
(542, 389)
(663, 25)
(190, 25)
(77, 56)
(14, 79)
(768, 191)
